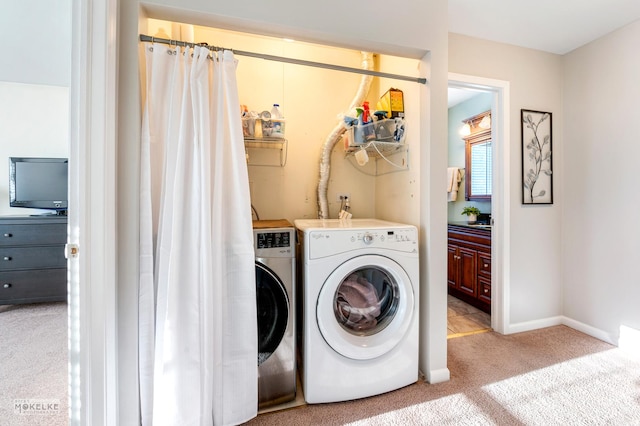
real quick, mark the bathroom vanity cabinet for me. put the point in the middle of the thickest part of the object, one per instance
(469, 265)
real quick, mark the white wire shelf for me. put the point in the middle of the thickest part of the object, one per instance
(376, 148)
(267, 143)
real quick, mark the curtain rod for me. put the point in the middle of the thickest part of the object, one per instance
(287, 60)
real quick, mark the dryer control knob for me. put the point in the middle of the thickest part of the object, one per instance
(368, 238)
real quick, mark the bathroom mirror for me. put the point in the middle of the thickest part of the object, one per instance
(478, 156)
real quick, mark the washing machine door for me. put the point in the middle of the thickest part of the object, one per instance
(365, 307)
(273, 311)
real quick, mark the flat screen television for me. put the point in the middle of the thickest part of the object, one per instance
(39, 183)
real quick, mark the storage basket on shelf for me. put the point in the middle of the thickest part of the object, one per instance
(258, 128)
(387, 131)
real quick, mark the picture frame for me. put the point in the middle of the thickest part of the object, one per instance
(537, 162)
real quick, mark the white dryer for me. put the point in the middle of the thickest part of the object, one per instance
(274, 244)
(359, 306)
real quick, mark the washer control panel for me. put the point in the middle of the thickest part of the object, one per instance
(274, 242)
(266, 239)
(324, 243)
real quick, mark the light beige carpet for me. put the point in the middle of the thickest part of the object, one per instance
(554, 376)
(33, 364)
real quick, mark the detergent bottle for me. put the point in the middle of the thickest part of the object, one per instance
(277, 120)
(366, 115)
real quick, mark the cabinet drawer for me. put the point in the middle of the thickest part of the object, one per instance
(484, 290)
(34, 257)
(46, 285)
(484, 264)
(41, 234)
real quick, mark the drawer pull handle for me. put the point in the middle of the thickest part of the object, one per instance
(6, 258)
(6, 285)
(486, 290)
(7, 235)
(486, 265)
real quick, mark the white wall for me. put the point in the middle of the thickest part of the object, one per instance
(601, 151)
(397, 192)
(535, 83)
(417, 30)
(457, 113)
(39, 33)
(326, 22)
(34, 122)
(34, 85)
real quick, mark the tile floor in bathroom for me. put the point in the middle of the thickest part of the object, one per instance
(463, 319)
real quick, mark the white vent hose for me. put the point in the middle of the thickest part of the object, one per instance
(336, 133)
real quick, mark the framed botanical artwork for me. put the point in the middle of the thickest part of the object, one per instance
(537, 175)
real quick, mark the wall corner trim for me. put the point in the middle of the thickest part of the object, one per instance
(438, 376)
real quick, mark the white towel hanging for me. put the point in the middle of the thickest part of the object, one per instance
(454, 176)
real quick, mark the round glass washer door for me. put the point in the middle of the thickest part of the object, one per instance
(273, 311)
(365, 307)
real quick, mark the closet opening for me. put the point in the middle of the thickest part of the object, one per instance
(313, 100)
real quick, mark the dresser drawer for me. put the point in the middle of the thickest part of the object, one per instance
(40, 234)
(34, 257)
(46, 285)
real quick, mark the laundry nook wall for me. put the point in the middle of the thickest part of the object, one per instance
(312, 101)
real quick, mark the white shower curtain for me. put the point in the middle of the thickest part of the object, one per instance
(197, 300)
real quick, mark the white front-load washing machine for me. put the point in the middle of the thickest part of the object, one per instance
(359, 304)
(274, 245)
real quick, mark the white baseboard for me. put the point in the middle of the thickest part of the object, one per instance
(533, 325)
(438, 376)
(562, 320)
(591, 331)
(628, 338)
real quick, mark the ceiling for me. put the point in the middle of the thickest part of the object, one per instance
(457, 96)
(555, 26)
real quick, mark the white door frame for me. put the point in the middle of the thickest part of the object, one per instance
(500, 198)
(93, 345)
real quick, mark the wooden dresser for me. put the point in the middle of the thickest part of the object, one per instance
(33, 267)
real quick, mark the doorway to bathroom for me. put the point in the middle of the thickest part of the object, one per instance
(480, 269)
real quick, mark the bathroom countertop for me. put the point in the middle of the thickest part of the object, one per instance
(471, 225)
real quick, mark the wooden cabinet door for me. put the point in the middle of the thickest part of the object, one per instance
(467, 260)
(452, 265)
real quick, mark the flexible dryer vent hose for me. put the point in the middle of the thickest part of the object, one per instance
(336, 133)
